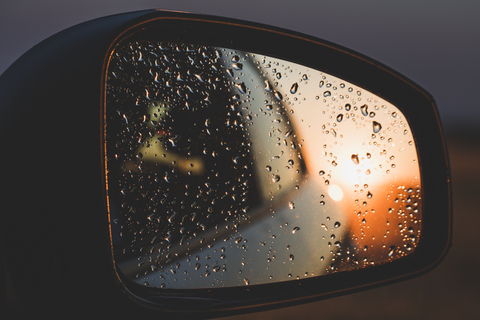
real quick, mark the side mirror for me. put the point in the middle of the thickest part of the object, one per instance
(184, 164)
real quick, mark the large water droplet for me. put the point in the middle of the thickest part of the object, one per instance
(327, 94)
(278, 95)
(340, 117)
(241, 87)
(294, 88)
(268, 86)
(364, 109)
(355, 159)
(376, 127)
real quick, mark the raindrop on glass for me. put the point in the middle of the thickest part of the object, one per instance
(364, 110)
(355, 159)
(376, 127)
(291, 205)
(241, 87)
(268, 86)
(278, 95)
(294, 88)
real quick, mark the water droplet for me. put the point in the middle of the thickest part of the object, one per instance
(237, 66)
(340, 117)
(295, 230)
(376, 127)
(276, 178)
(355, 159)
(348, 107)
(391, 251)
(321, 84)
(291, 204)
(247, 282)
(241, 86)
(278, 95)
(279, 75)
(291, 162)
(268, 86)
(268, 168)
(294, 88)
(369, 195)
(327, 94)
(321, 173)
(364, 110)
(337, 224)
(291, 257)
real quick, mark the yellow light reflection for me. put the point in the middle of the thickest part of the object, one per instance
(335, 192)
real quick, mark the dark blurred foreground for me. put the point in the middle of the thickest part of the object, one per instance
(450, 291)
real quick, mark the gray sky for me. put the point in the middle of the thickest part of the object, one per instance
(435, 43)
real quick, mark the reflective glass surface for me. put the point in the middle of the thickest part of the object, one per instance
(227, 168)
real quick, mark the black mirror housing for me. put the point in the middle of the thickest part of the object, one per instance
(56, 227)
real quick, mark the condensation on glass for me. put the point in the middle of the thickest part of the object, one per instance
(228, 168)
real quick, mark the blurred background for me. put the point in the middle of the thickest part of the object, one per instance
(436, 43)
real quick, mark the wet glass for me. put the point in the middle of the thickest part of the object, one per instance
(227, 168)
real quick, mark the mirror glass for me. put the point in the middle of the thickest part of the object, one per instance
(227, 168)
